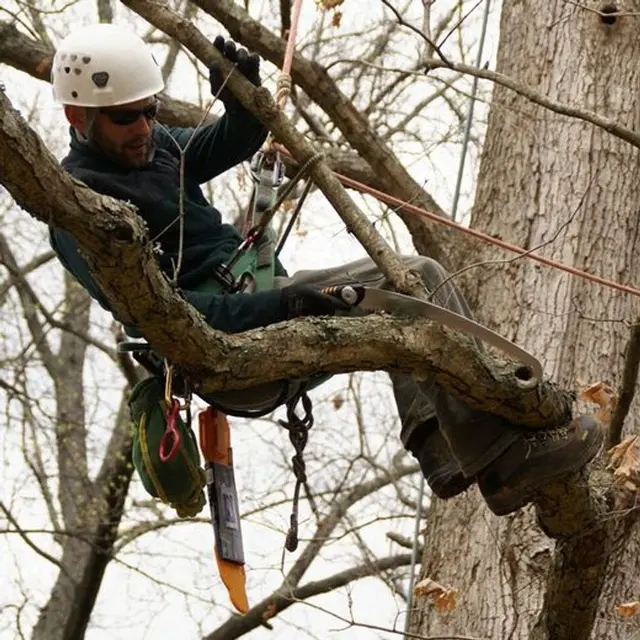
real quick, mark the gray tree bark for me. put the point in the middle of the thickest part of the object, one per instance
(573, 189)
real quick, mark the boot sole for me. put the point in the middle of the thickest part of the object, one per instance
(441, 481)
(509, 500)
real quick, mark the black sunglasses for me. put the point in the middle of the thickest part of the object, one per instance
(124, 117)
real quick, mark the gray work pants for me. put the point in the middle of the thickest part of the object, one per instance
(419, 402)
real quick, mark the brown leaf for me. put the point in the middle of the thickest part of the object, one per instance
(444, 598)
(604, 396)
(625, 459)
(337, 401)
(329, 4)
(628, 609)
(617, 452)
(337, 19)
(599, 393)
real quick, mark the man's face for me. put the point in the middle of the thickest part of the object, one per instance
(124, 132)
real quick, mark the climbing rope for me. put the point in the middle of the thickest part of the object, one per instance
(284, 82)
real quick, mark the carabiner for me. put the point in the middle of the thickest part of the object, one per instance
(171, 434)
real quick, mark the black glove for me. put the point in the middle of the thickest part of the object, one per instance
(304, 300)
(248, 64)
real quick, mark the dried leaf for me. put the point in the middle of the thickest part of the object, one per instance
(604, 396)
(338, 401)
(444, 598)
(336, 21)
(329, 4)
(628, 609)
(617, 452)
(599, 393)
(625, 459)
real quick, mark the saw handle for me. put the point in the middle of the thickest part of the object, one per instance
(351, 294)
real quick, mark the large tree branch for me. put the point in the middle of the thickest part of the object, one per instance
(85, 558)
(34, 58)
(431, 239)
(116, 245)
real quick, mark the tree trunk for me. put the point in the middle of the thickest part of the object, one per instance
(549, 180)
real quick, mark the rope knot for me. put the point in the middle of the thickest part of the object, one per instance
(284, 86)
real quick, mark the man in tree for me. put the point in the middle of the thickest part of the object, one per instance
(107, 79)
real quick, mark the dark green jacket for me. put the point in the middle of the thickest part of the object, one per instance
(154, 190)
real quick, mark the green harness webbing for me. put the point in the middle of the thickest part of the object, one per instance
(179, 482)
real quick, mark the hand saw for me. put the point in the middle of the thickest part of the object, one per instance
(215, 442)
(399, 304)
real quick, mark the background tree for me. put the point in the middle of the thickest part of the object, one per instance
(570, 188)
(370, 94)
(74, 525)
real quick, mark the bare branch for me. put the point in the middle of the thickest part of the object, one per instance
(34, 547)
(627, 389)
(30, 305)
(124, 264)
(609, 125)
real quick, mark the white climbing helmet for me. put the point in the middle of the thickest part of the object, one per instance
(102, 66)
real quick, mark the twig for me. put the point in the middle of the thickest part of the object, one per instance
(609, 125)
(424, 36)
(627, 387)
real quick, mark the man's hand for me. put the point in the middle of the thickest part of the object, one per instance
(248, 64)
(304, 300)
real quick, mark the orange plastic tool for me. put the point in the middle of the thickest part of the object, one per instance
(215, 443)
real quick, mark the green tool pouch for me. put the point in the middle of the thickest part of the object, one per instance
(180, 481)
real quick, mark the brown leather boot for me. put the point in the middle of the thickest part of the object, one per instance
(440, 469)
(535, 459)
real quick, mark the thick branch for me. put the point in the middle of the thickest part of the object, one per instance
(571, 512)
(430, 239)
(72, 600)
(123, 262)
(627, 389)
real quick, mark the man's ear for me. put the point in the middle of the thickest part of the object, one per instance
(77, 117)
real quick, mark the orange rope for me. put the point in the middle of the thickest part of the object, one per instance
(284, 83)
(411, 208)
